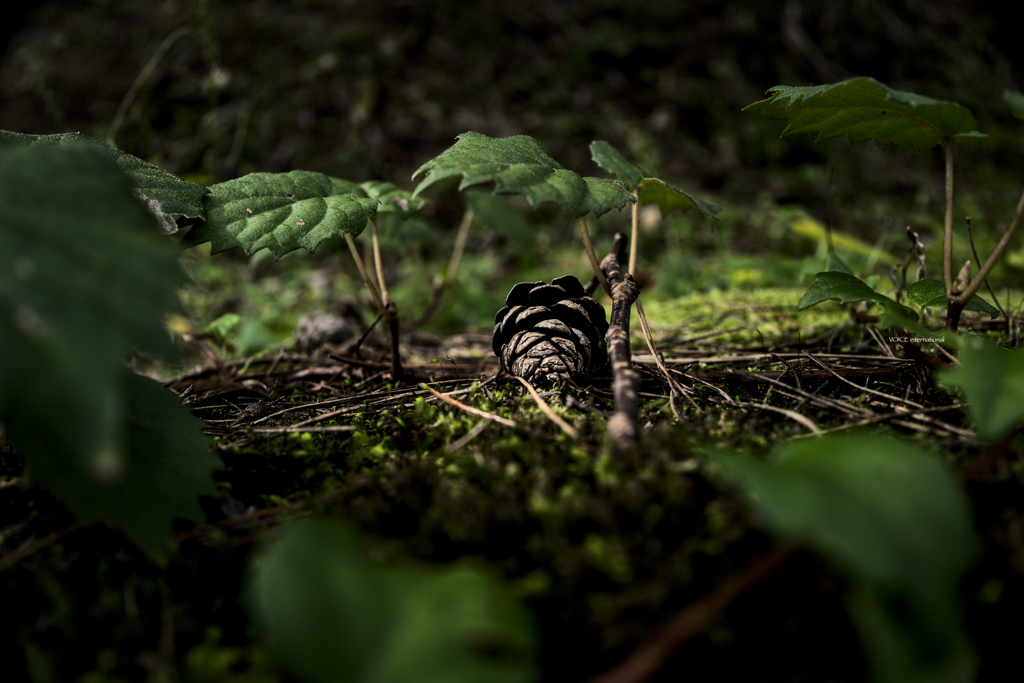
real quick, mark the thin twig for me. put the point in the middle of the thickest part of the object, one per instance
(33, 545)
(791, 414)
(622, 430)
(546, 409)
(997, 252)
(650, 656)
(649, 338)
(470, 409)
(859, 387)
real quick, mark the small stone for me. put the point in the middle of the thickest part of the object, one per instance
(317, 329)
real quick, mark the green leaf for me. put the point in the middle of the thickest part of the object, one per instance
(392, 199)
(669, 197)
(1015, 101)
(518, 165)
(848, 289)
(281, 212)
(608, 158)
(498, 214)
(892, 518)
(992, 380)
(865, 109)
(331, 614)
(932, 293)
(166, 195)
(649, 189)
(84, 280)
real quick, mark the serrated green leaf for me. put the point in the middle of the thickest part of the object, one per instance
(649, 189)
(992, 380)
(669, 197)
(333, 615)
(1015, 101)
(932, 293)
(518, 165)
(166, 195)
(392, 198)
(847, 289)
(602, 196)
(281, 212)
(892, 518)
(84, 280)
(608, 158)
(865, 109)
(498, 214)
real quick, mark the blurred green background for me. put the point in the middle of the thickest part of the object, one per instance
(213, 89)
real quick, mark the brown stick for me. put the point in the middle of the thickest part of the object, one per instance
(622, 430)
(649, 657)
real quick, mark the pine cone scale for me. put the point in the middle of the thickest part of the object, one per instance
(550, 333)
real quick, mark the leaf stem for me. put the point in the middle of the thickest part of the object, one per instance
(362, 271)
(996, 253)
(633, 237)
(379, 267)
(947, 226)
(594, 263)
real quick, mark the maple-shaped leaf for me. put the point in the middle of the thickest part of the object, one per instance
(166, 195)
(650, 190)
(865, 109)
(519, 165)
(281, 212)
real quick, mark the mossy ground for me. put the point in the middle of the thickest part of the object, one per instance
(602, 550)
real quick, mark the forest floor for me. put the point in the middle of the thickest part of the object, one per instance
(457, 463)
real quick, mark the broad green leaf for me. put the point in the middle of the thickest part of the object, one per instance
(281, 212)
(834, 264)
(608, 158)
(865, 109)
(392, 198)
(669, 197)
(932, 293)
(602, 196)
(992, 380)
(166, 195)
(649, 189)
(892, 518)
(84, 280)
(331, 614)
(1015, 101)
(518, 165)
(847, 289)
(498, 214)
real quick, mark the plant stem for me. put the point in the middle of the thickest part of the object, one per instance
(589, 246)
(997, 252)
(947, 226)
(378, 266)
(362, 271)
(622, 430)
(386, 307)
(440, 284)
(634, 234)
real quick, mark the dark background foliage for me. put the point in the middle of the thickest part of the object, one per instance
(373, 89)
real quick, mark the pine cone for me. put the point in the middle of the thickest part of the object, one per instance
(550, 333)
